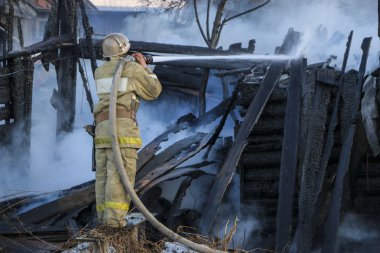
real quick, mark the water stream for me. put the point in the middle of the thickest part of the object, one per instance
(243, 57)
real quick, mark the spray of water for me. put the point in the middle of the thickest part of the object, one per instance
(243, 57)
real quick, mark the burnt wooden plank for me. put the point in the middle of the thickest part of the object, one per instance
(289, 158)
(15, 228)
(193, 171)
(177, 201)
(315, 162)
(333, 122)
(171, 152)
(169, 165)
(62, 41)
(177, 173)
(51, 30)
(143, 46)
(227, 170)
(75, 200)
(185, 77)
(310, 165)
(148, 152)
(333, 218)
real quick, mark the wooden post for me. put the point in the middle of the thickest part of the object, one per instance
(66, 70)
(289, 156)
(331, 229)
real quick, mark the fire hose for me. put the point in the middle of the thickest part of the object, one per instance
(124, 177)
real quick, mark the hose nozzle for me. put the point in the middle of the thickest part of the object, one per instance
(148, 58)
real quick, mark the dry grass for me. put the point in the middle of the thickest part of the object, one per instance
(214, 243)
(126, 240)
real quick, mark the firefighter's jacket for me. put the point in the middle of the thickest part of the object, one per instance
(136, 82)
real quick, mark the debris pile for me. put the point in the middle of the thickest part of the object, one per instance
(299, 146)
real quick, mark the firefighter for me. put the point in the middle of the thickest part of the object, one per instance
(137, 81)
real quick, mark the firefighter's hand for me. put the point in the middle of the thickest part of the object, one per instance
(140, 59)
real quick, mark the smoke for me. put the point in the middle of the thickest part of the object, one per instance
(354, 228)
(325, 26)
(54, 164)
(358, 234)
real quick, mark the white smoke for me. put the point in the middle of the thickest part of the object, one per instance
(354, 228)
(325, 26)
(54, 164)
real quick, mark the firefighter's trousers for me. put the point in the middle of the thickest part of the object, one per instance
(112, 200)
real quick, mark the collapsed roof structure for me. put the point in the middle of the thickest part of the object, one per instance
(300, 147)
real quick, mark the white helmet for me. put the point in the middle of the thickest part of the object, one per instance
(115, 44)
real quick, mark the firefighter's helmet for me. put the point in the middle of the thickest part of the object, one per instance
(115, 44)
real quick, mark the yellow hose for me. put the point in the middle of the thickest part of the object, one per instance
(124, 177)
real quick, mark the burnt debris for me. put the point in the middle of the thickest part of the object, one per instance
(300, 147)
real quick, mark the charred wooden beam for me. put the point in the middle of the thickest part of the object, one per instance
(143, 46)
(51, 31)
(334, 118)
(333, 219)
(9, 26)
(289, 157)
(185, 77)
(171, 152)
(21, 105)
(86, 86)
(227, 170)
(17, 228)
(202, 92)
(169, 165)
(234, 72)
(20, 32)
(177, 173)
(77, 199)
(88, 32)
(310, 166)
(66, 69)
(150, 150)
(62, 41)
(317, 153)
(177, 201)
(155, 175)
